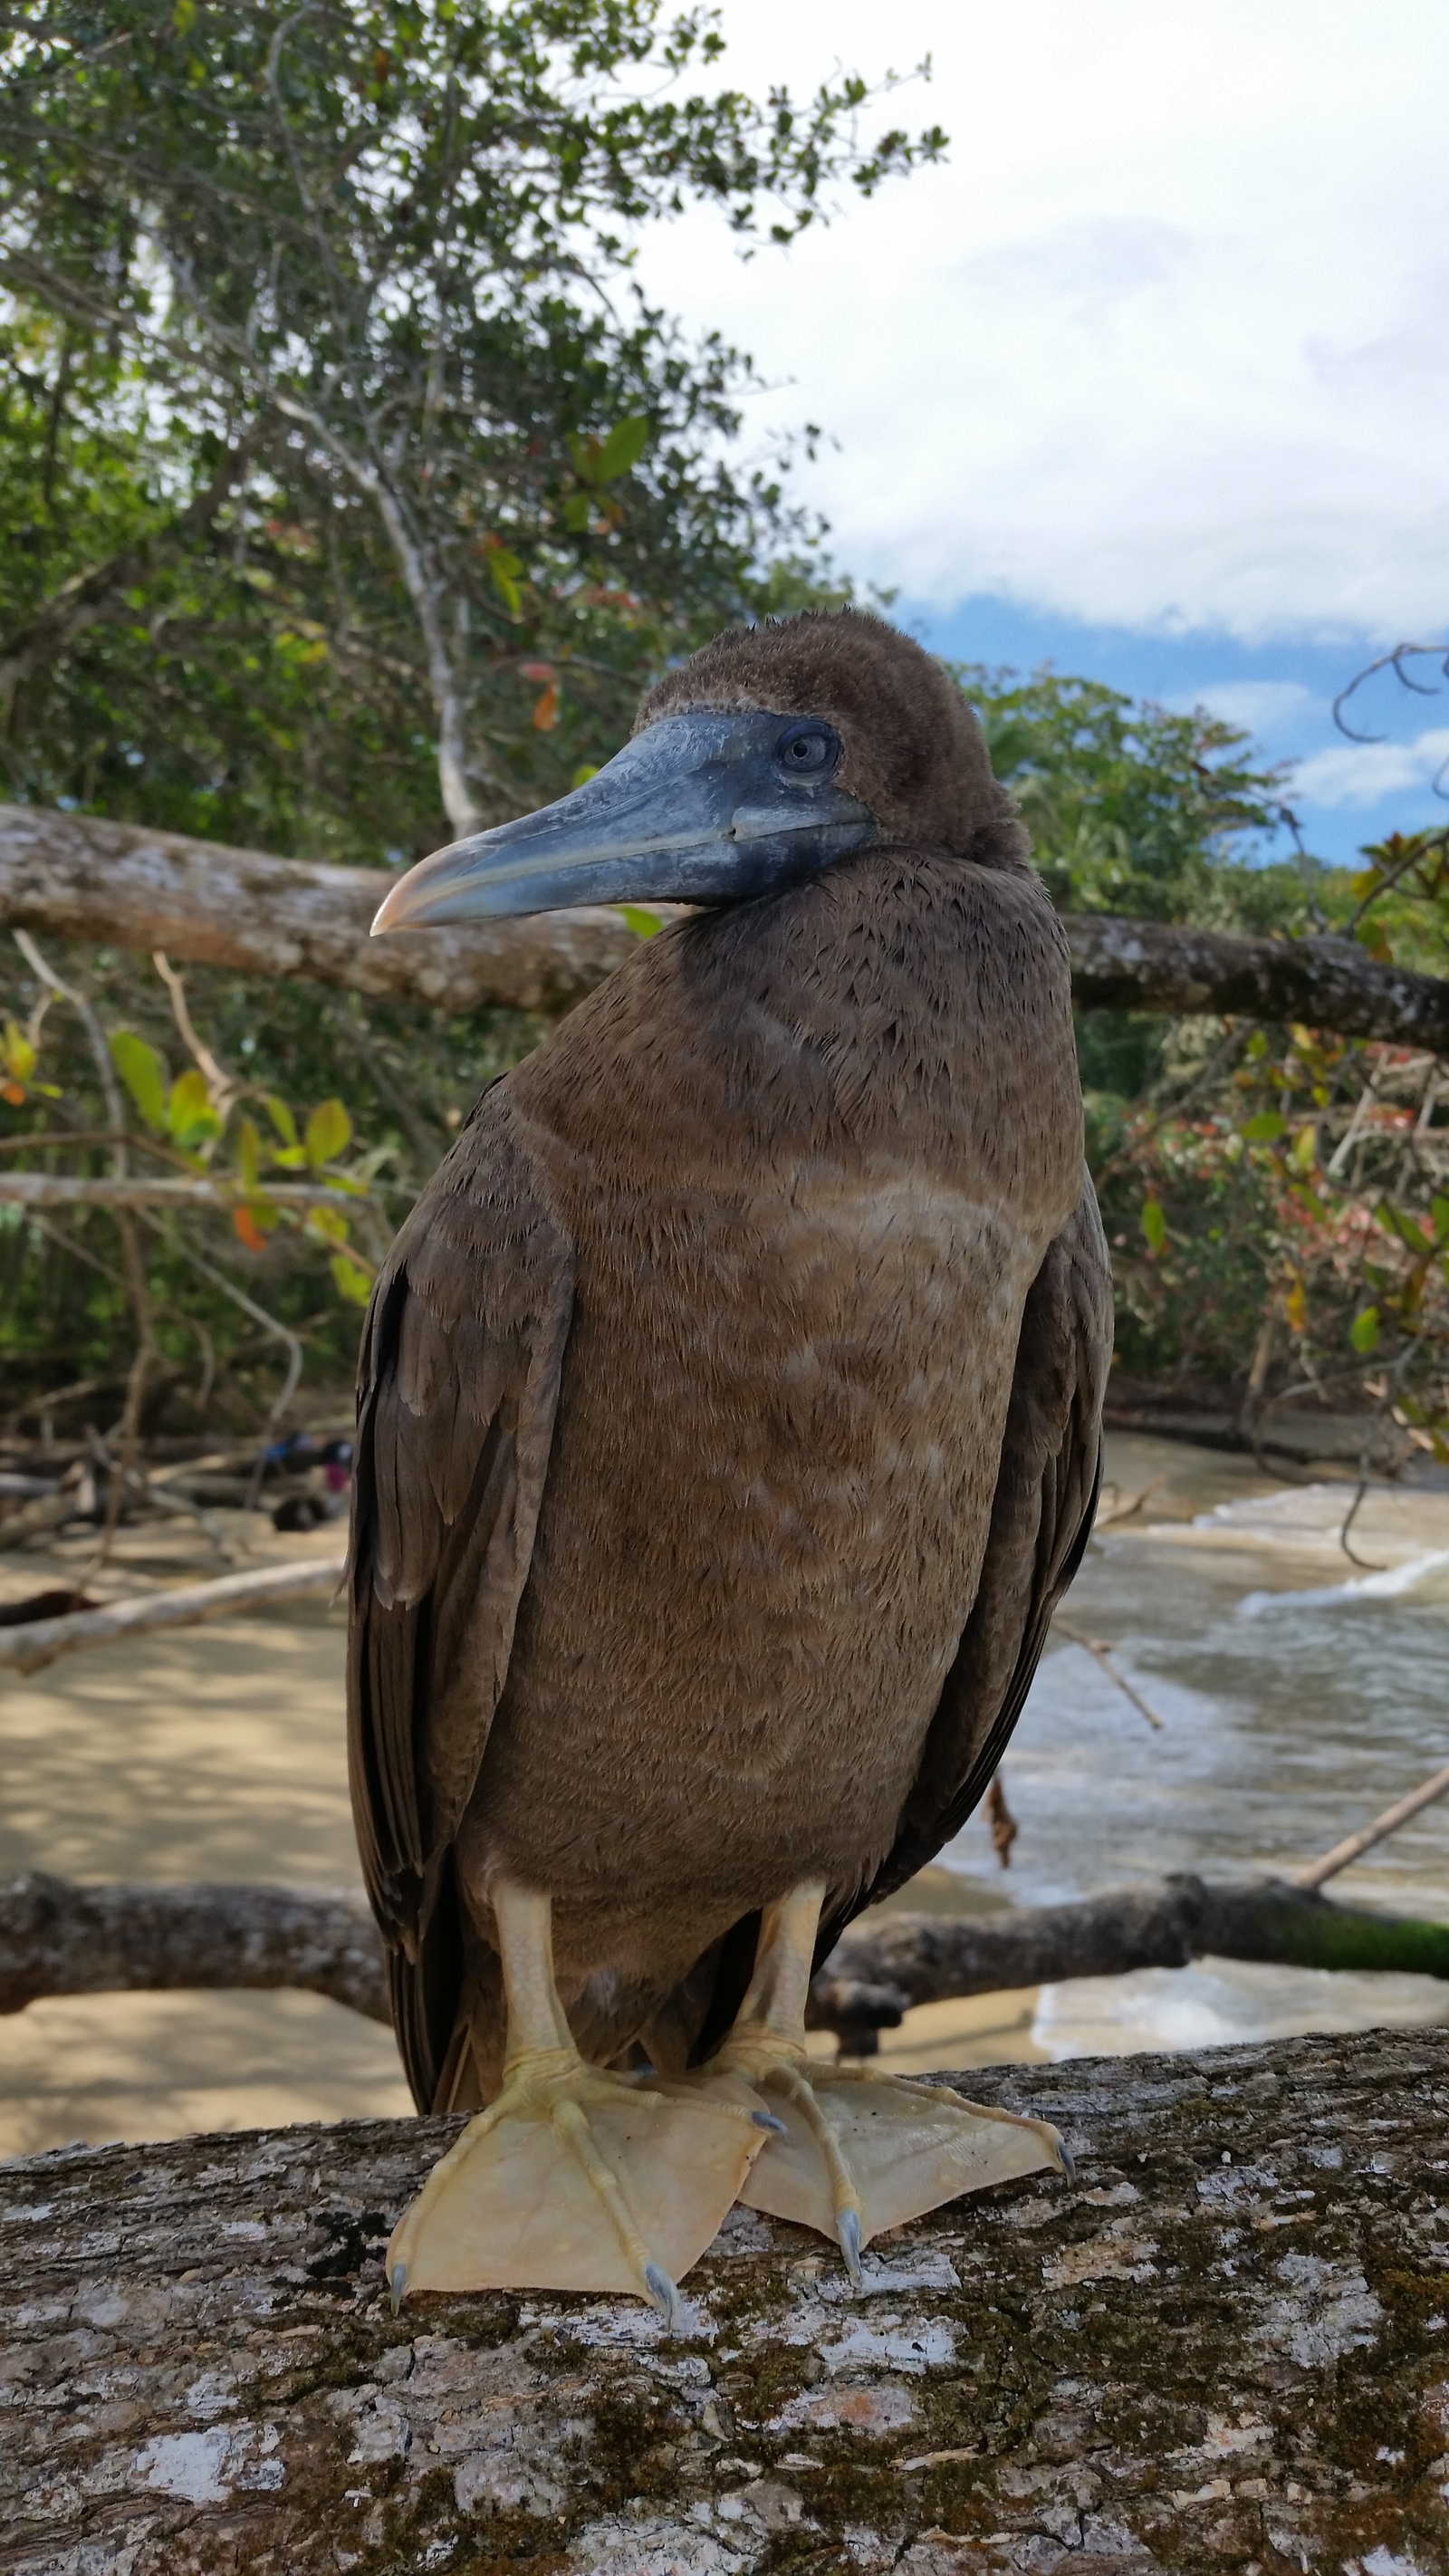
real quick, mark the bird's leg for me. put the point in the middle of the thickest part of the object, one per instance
(574, 2178)
(861, 2150)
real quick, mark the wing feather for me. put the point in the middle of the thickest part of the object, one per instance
(461, 1363)
(1046, 1496)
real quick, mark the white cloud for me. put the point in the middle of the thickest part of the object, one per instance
(1162, 345)
(1261, 707)
(1361, 773)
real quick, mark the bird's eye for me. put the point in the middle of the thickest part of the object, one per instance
(809, 750)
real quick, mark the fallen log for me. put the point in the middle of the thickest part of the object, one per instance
(30, 1648)
(1225, 2347)
(62, 1938)
(928, 1958)
(79, 877)
(58, 1937)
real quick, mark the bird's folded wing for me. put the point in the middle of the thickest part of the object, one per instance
(1041, 1519)
(459, 1376)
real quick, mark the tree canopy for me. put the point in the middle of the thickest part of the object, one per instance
(352, 278)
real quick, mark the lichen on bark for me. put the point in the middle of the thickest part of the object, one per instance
(1226, 2346)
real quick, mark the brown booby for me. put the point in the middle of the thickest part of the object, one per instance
(729, 1427)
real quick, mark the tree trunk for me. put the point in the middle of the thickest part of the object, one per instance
(60, 1938)
(1223, 2347)
(80, 878)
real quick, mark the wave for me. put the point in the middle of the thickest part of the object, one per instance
(1387, 1584)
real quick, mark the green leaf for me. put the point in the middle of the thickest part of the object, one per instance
(282, 1119)
(1154, 1224)
(1303, 1153)
(641, 922)
(503, 569)
(190, 1116)
(1396, 1220)
(622, 448)
(328, 1131)
(350, 1279)
(144, 1076)
(248, 1152)
(1363, 1332)
(1439, 1210)
(1266, 1128)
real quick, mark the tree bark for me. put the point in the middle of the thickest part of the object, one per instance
(81, 878)
(1223, 2347)
(60, 1938)
(211, 905)
(1327, 983)
(57, 1938)
(138, 1189)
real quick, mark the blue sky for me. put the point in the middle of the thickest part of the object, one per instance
(1151, 378)
(1281, 692)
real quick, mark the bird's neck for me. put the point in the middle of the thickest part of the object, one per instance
(917, 1008)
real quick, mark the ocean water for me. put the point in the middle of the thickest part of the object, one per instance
(1300, 1693)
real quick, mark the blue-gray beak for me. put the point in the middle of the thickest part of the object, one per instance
(699, 808)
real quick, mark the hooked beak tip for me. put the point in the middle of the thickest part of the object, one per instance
(391, 913)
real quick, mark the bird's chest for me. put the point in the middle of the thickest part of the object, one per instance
(818, 1370)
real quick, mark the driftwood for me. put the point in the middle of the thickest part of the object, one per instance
(1224, 2347)
(80, 878)
(1353, 1846)
(58, 1938)
(887, 1962)
(30, 1648)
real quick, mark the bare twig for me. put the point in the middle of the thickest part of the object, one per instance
(1003, 1824)
(221, 1086)
(1102, 1653)
(1317, 1871)
(1115, 1513)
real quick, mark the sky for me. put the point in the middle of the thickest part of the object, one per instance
(1151, 379)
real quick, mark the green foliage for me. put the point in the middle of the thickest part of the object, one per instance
(143, 1074)
(343, 295)
(1132, 809)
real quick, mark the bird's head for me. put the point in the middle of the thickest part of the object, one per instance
(762, 760)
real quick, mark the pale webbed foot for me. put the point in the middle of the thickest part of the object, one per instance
(864, 2151)
(576, 2178)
